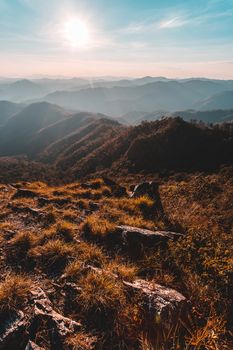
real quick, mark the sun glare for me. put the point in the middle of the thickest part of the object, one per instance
(76, 33)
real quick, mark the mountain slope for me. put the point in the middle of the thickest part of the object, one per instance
(168, 144)
(21, 90)
(7, 109)
(223, 100)
(20, 129)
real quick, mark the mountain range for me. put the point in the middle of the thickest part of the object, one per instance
(80, 143)
(117, 98)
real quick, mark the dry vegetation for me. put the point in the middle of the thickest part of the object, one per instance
(57, 236)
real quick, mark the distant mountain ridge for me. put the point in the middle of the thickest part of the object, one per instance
(7, 109)
(167, 95)
(117, 97)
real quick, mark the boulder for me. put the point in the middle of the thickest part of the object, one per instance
(164, 310)
(149, 189)
(134, 239)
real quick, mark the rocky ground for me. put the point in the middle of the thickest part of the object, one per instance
(98, 265)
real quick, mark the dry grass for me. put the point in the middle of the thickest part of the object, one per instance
(199, 265)
(208, 337)
(14, 292)
(74, 270)
(100, 292)
(124, 271)
(19, 245)
(121, 211)
(96, 226)
(81, 341)
(60, 230)
(52, 255)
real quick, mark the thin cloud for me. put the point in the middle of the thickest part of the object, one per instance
(173, 23)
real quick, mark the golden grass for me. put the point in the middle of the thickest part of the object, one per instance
(53, 254)
(199, 265)
(100, 291)
(81, 341)
(19, 245)
(208, 337)
(124, 271)
(14, 292)
(95, 225)
(60, 230)
(74, 270)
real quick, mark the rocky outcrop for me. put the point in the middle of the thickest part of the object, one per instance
(134, 239)
(149, 189)
(18, 328)
(164, 310)
(43, 312)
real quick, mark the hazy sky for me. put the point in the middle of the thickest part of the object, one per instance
(172, 38)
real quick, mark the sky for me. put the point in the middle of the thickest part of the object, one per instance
(127, 38)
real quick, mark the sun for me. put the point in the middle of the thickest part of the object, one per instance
(76, 33)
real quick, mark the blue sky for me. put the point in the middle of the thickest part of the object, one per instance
(125, 37)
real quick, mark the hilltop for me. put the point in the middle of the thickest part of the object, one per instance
(81, 144)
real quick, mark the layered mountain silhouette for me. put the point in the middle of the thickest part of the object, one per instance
(78, 144)
(7, 109)
(21, 90)
(222, 100)
(117, 97)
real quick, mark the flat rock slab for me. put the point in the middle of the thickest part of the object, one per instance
(135, 239)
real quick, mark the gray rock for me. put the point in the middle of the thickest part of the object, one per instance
(165, 310)
(149, 189)
(135, 239)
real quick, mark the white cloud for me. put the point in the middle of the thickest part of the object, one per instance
(173, 23)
